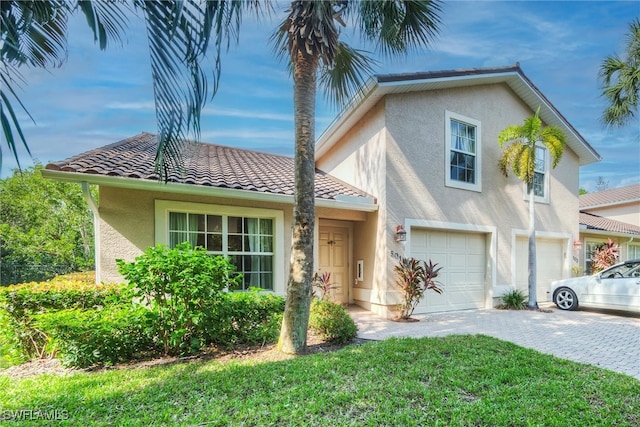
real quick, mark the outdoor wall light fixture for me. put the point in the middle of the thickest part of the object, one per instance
(401, 233)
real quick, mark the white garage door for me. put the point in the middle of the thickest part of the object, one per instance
(463, 258)
(549, 261)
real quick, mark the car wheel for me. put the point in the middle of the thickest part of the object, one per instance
(566, 299)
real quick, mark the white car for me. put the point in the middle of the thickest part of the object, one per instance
(617, 287)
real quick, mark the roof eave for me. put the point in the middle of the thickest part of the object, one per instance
(376, 88)
(366, 205)
(631, 236)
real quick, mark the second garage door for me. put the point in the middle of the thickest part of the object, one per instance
(463, 258)
(549, 260)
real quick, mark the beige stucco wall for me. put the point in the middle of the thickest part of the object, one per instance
(359, 159)
(628, 212)
(416, 169)
(407, 133)
(127, 223)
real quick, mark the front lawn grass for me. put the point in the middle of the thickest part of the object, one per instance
(452, 381)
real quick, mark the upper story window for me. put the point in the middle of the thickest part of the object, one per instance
(463, 148)
(247, 236)
(540, 176)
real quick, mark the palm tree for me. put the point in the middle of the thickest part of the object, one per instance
(519, 143)
(620, 79)
(180, 36)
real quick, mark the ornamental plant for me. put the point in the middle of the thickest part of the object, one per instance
(322, 282)
(415, 277)
(182, 287)
(605, 256)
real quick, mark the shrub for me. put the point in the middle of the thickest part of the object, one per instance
(181, 286)
(11, 352)
(414, 280)
(245, 318)
(605, 256)
(76, 290)
(332, 322)
(21, 339)
(83, 338)
(515, 299)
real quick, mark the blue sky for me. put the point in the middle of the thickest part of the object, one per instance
(97, 97)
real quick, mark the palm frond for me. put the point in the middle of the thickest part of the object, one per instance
(350, 70)
(620, 81)
(524, 164)
(554, 139)
(107, 20)
(33, 33)
(511, 133)
(397, 27)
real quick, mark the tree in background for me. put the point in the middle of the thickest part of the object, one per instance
(519, 144)
(620, 79)
(46, 228)
(182, 34)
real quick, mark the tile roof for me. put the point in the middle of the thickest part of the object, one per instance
(595, 222)
(205, 165)
(627, 194)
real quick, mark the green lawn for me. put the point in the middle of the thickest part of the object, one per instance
(453, 381)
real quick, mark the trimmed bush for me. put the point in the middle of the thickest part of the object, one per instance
(75, 290)
(332, 322)
(84, 338)
(21, 339)
(245, 318)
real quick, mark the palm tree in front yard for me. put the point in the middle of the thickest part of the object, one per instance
(521, 145)
(181, 34)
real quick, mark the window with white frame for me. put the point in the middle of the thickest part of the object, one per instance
(463, 160)
(247, 236)
(590, 249)
(633, 251)
(540, 175)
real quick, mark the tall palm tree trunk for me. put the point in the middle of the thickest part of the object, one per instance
(293, 334)
(533, 300)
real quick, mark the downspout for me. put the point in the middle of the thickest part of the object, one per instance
(96, 234)
(628, 243)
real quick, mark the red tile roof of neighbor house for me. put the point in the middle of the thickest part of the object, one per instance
(595, 222)
(620, 195)
(205, 165)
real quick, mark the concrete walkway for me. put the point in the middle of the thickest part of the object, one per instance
(608, 340)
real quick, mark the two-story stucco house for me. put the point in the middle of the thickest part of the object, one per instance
(409, 168)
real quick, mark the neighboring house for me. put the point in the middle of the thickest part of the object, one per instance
(413, 152)
(610, 214)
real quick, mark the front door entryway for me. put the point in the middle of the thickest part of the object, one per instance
(333, 257)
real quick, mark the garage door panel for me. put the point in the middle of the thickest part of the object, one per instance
(462, 256)
(549, 263)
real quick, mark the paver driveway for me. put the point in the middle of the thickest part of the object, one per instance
(609, 340)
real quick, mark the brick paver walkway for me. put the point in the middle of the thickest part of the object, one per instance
(609, 340)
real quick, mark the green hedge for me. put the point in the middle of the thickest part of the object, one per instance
(20, 339)
(245, 318)
(76, 290)
(83, 338)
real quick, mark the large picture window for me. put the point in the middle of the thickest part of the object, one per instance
(463, 152)
(247, 236)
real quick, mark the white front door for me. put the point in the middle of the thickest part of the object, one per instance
(334, 259)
